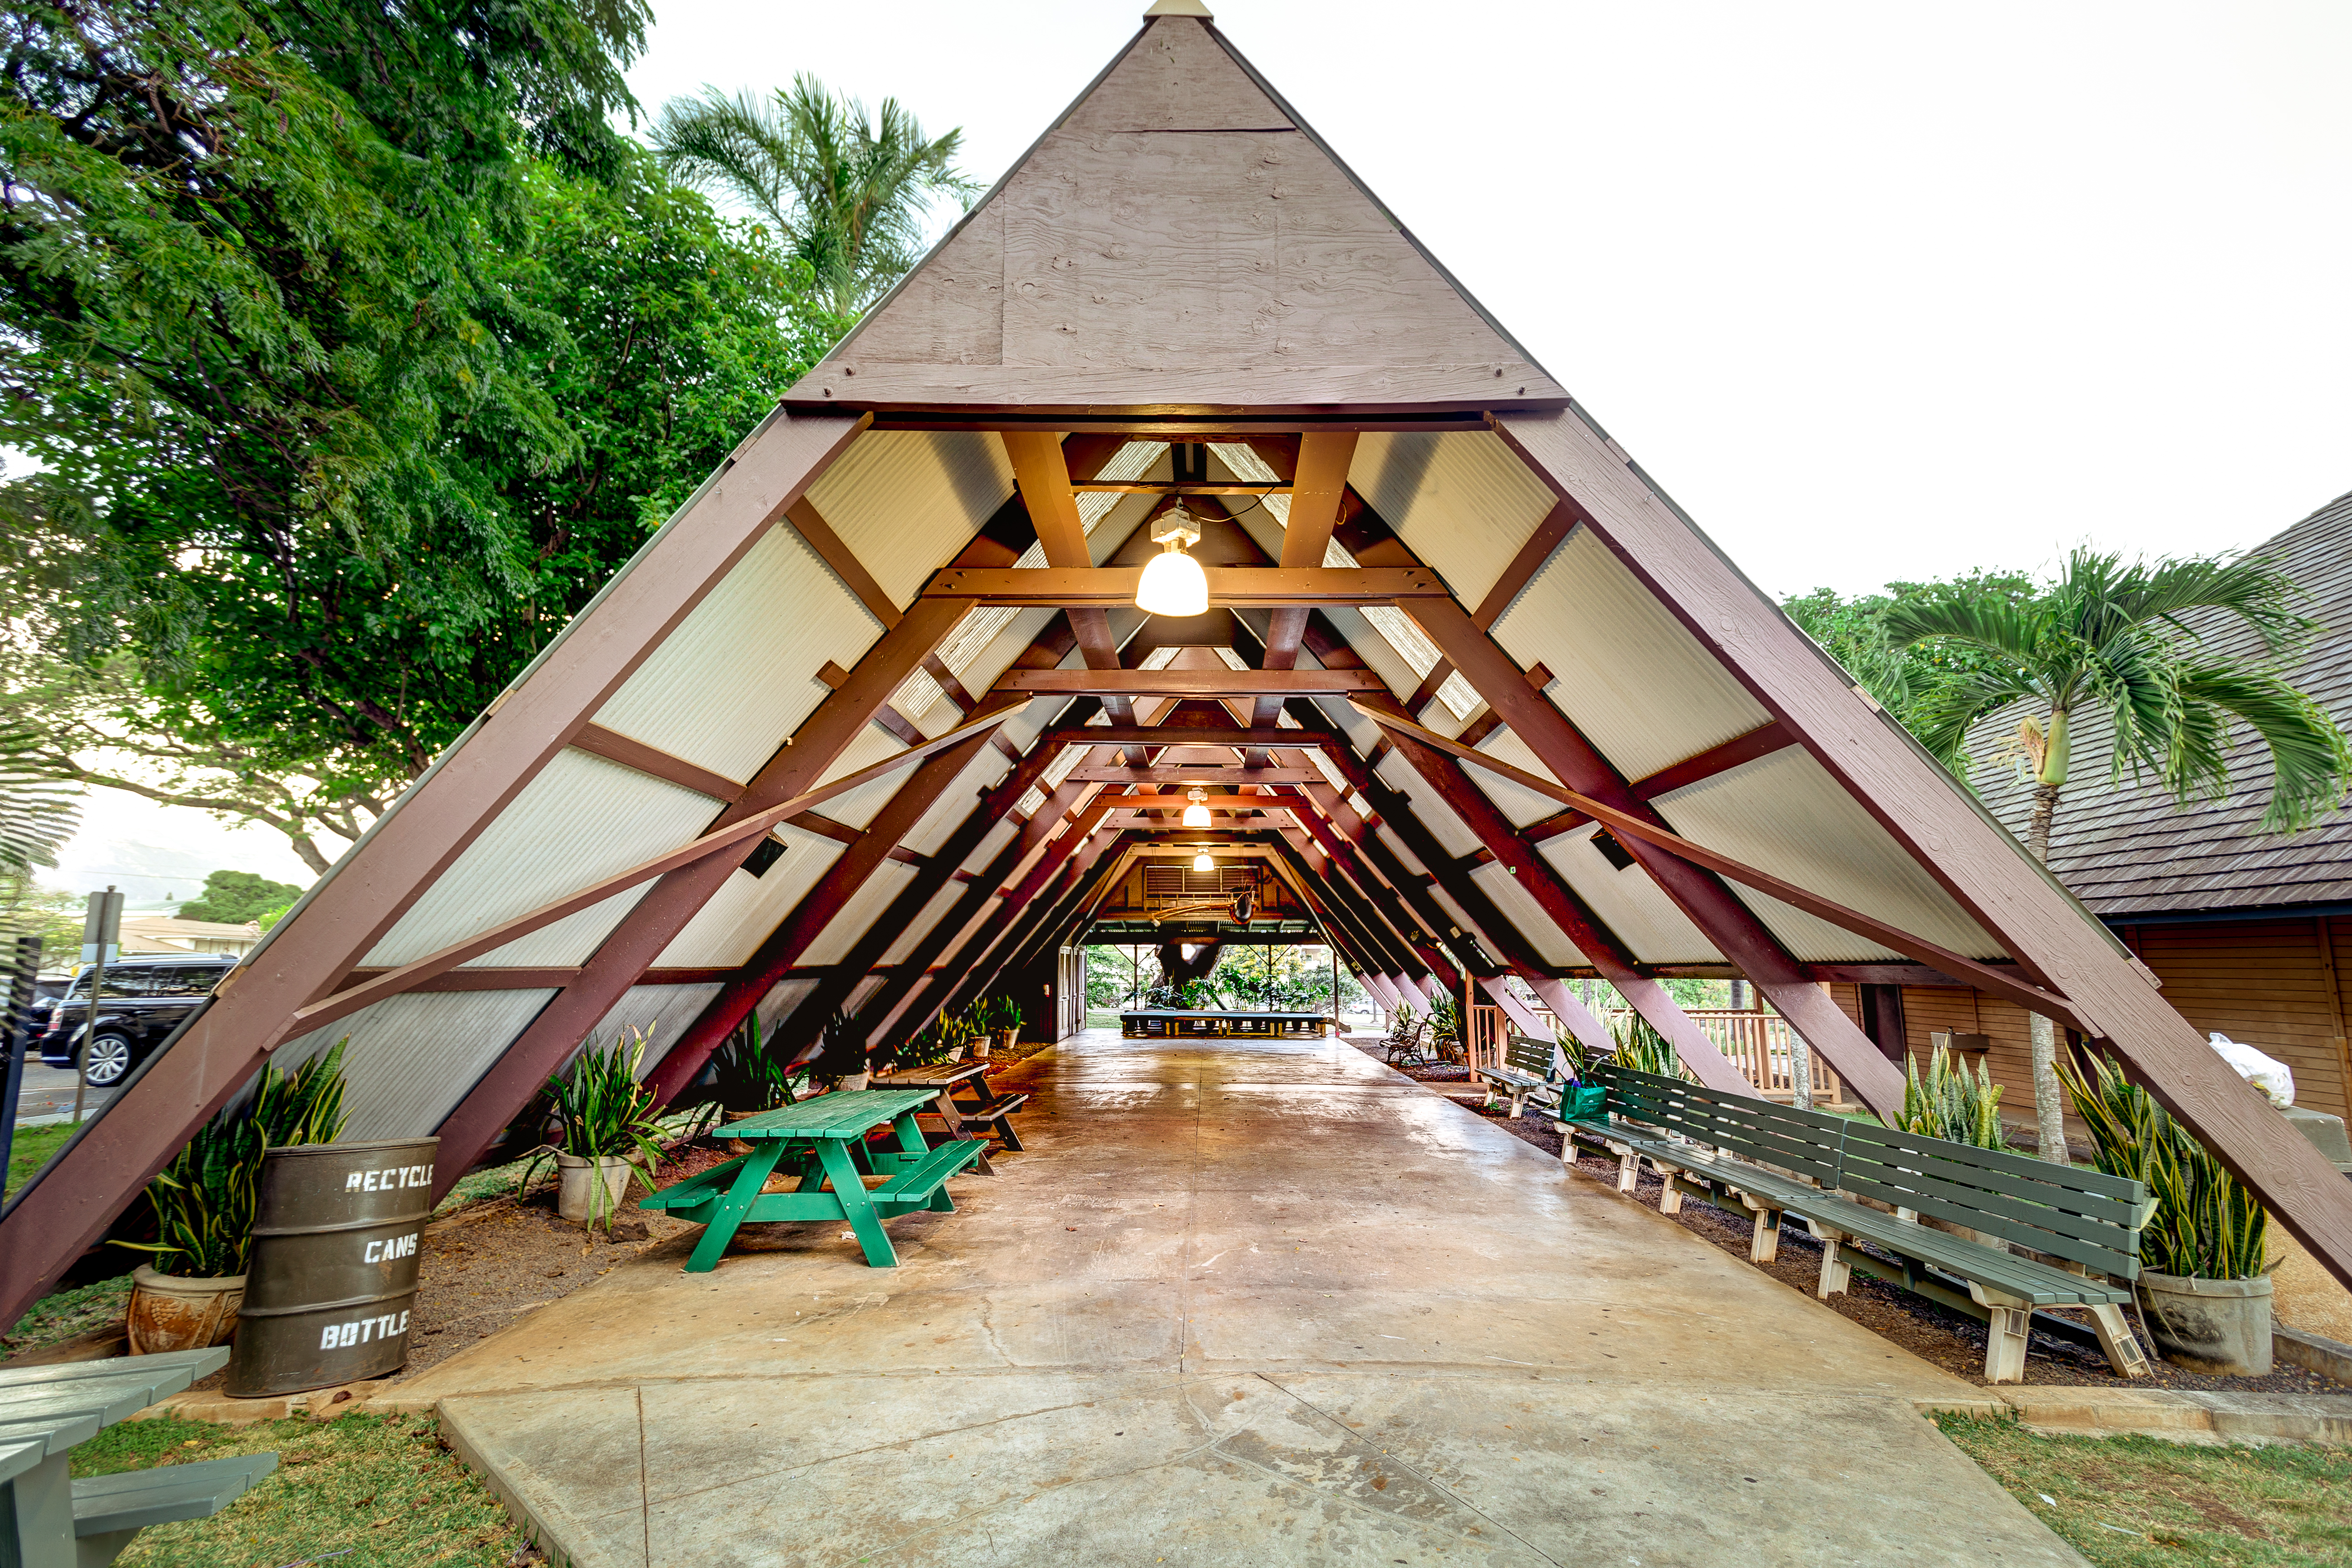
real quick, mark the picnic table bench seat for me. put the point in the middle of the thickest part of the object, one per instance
(1835, 1173)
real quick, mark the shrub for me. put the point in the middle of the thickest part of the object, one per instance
(1950, 1104)
(2206, 1225)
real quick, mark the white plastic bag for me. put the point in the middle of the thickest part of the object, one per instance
(2273, 1077)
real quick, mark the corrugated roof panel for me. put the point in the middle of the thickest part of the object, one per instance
(740, 674)
(1522, 806)
(931, 914)
(905, 501)
(1520, 908)
(1462, 501)
(991, 844)
(570, 939)
(1378, 653)
(413, 1057)
(1650, 924)
(1638, 685)
(581, 819)
(729, 929)
(1396, 846)
(663, 1012)
(858, 807)
(1784, 814)
(957, 801)
(781, 1000)
(1428, 809)
(864, 907)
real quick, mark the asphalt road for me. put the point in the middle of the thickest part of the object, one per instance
(49, 1092)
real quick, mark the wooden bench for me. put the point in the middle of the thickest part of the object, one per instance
(110, 1510)
(1853, 1181)
(1531, 1068)
(1405, 1041)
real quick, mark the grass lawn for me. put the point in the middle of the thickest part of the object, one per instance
(31, 1149)
(383, 1489)
(2136, 1502)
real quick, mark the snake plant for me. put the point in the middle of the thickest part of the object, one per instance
(606, 1115)
(750, 1074)
(204, 1199)
(1642, 1049)
(1951, 1103)
(2206, 1225)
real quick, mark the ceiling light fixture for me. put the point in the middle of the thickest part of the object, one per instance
(1203, 863)
(1196, 815)
(1173, 582)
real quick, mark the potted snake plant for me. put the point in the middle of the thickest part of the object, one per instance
(608, 1131)
(187, 1296)
(2202, 1291)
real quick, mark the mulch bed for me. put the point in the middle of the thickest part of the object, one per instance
(1951, 1340)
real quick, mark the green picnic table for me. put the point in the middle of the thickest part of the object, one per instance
(823, 1141)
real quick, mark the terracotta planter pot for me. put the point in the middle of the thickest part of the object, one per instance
(2221, 1327)
(175, 1312)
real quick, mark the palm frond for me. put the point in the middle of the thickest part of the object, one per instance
(2310, 759)
(1942, 715)
(1984, 621)
(2255, 593)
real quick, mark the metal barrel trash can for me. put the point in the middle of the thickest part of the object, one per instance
(333, 1275)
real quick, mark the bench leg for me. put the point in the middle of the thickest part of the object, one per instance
(748, 1180)
(1629, 1172)
(1670, 1199)
(1764, 1240)
(856, 1207)
(2005, 1345)
(1836, 1273)
(2116, 1339)
(1011, 1139)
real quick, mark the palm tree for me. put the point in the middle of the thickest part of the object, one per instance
(848, 195)
(2116, 638)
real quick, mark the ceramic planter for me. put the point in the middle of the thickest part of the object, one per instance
(575, 1186)
(855, 1080)
(1006, 1038)
(955, 1054)
(2221, 1327)
(175, 1312)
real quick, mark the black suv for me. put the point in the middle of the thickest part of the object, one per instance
(144, 1000)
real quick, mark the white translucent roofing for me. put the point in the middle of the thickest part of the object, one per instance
(738, 674)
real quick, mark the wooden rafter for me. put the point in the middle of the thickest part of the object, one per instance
(1229, 587)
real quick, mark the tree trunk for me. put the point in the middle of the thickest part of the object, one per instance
(2049, 1099)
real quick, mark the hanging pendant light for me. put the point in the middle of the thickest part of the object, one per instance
(1196, 815)
(1173, 583)
(1203, 863)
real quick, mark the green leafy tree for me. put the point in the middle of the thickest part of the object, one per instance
(2133, 641)
(848, 193)
(234, 897)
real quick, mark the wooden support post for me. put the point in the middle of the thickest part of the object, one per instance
(1836, 1273)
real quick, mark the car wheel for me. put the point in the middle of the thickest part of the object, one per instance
(110, 1060)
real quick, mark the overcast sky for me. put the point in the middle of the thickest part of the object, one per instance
(1873, 291)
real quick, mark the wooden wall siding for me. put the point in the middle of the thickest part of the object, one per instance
(2260, 982)
(2128, 848)
(1235, 246)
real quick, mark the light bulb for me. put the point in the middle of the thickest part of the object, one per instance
(1203, 863)
(1172, 584)
(1196, 815)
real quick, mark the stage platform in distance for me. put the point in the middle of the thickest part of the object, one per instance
(1160, 1023)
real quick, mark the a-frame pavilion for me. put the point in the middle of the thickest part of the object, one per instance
(1487, 701)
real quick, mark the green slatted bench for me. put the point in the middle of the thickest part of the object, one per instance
(1740, 1152)
(822, 1141)
(1531, 1068)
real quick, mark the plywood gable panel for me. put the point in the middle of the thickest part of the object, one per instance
(1177, 224)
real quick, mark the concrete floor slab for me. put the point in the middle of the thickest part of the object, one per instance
(1238, 1303)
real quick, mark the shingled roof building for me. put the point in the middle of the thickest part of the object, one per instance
(2250, 932)
(874, 720)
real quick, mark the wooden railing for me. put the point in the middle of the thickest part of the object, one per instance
(1758, 1045)
(1487, 1027)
